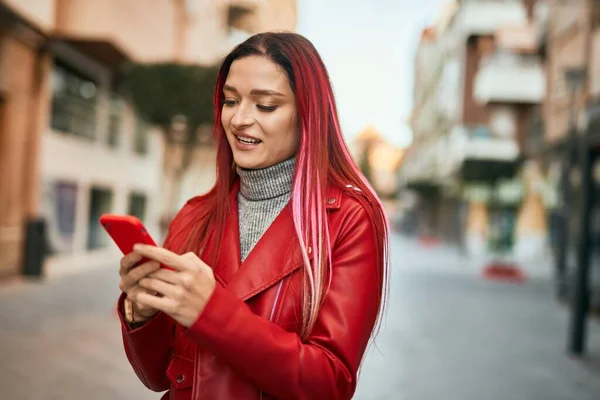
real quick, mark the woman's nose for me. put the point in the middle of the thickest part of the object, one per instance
(241, 118)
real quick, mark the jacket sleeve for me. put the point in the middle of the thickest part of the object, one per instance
(149, 348)
(277, 361)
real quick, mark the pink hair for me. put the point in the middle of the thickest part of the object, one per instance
(323, 159)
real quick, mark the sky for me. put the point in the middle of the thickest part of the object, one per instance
(368, 47)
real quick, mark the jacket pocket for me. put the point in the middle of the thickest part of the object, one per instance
(181, 372)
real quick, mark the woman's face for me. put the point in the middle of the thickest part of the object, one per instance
(259, 113)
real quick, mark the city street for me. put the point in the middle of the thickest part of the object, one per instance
(447, 335)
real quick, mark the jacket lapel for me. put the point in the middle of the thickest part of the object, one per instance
(273, 257)
(276, 255)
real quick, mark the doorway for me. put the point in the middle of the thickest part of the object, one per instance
(101, 200)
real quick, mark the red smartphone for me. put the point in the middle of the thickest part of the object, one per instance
(126, 231)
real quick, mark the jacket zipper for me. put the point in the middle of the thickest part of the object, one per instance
(273, 314)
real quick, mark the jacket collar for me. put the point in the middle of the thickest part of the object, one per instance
(276, 255)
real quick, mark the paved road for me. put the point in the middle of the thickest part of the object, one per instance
(447, 335)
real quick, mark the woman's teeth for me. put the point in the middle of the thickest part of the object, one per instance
(248, 140)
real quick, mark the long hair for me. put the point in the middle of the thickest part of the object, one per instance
(322, 159)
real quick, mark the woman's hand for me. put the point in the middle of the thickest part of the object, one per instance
(130, 278)
(183, 292)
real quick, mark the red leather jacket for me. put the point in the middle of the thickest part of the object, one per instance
(245, 344)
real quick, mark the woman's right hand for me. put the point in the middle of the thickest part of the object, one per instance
(129, 284)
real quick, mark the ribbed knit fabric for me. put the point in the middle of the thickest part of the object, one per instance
(263, 194)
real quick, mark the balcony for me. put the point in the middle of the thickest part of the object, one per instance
(519, 39)
(419, 165)
(480, 155)
(484, 18)
(510, 78)
(471, 153)
(105, 30)
(479, 143)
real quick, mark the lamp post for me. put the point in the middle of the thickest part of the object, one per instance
(580, 295)
(574, 78)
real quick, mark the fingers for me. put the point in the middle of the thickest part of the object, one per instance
(189, 262)
(184, 279)
(166, 275)
(135, 291)
(186, 262)
(134, 275)
(162, 287)
(129, 261)
(165, 304)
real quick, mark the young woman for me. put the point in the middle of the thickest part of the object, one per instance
(277, 274)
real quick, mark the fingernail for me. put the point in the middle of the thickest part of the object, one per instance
(137, 246)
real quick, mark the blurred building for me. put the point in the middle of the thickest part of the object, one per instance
(378, 159)
(478, 78)
(507, 128)
(71, 145)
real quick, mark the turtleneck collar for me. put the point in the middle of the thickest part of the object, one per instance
(267, 183)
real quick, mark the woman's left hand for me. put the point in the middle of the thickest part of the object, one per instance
(184, 292)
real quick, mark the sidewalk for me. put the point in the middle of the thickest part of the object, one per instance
(451, 335)
(448, 334)
(60, 339)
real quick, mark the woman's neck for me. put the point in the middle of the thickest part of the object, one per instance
(267, 183)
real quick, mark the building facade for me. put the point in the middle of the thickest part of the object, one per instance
(469, 121)
(71, 145)
(523, 142)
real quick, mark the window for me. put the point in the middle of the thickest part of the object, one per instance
(137, 205)
(239, 17)
(59, 202)
(140, 143)
(115, 120)
(100, 203)
(595, 14)
(66, 202)
(74, 99)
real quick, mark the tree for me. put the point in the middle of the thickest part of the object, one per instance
(162, 92)
(365, 162)
(177, 98)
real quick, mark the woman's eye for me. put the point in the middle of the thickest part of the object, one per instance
(266, 108)
(229, 102)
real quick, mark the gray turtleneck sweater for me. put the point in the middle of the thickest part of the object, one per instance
(263, 194)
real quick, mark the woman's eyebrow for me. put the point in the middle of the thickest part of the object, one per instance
(255, 92)
(265, 92)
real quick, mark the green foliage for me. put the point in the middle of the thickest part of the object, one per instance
(363, 162)
(161, 91)
(502, 230)
(364, 166)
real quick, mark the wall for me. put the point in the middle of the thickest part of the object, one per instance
(475, 113)
(568, 46)
(38, 12)
(84, 164)
(150, 38)
(17, 90)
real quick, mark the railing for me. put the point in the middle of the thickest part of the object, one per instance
(479, 132)
(510, 78)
